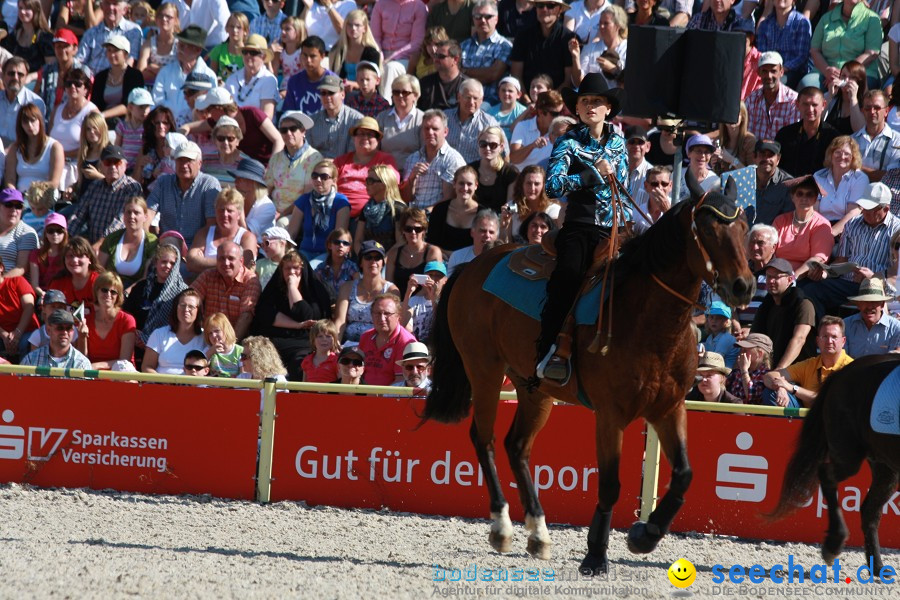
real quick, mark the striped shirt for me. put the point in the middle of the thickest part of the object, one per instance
(763, 120)
(21, 237)
(429, 185)
(130, 139)
(73, 359)
(868, 246)
(881, 152)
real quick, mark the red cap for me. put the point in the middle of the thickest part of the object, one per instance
(67, 36)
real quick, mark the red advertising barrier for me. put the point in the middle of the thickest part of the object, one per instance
(157, 439)
(361, 452)
(739, 463)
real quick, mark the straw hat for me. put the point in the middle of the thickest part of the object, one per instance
(871, 290)
(258, 42)
(366, 123)
(713, 361)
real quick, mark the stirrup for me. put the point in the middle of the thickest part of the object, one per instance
(554, 368)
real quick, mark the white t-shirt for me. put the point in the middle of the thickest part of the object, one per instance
(459, 257)
(525, 133)
(319, 23)
(68, 133)
(171, 352)
(264, 86)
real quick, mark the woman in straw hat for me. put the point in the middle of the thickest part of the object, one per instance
(581, 167)
(353, 167)
(255, 85)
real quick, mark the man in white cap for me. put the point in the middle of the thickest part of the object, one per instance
(276, 241)
(865, 243)
(872, 330)
(91, 51)
(186, 199)
(773, 105)
(878, 143)
(167, 89)
(416, 365)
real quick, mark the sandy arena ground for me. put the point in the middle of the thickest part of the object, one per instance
(78, 543)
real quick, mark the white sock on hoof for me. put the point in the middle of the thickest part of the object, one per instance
(501, 523)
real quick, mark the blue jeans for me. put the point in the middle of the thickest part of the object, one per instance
(769, 399)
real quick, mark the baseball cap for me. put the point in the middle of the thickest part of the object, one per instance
(770, 58)
(636, 131)
(699, 140)
(756, 340)
(296, 115)
(175, 139)
(371, 246)
(331, 83)
(199, 81)
(762, 145)
(780, 265)
(56, 219)
(720, 309)
(112, 151)
(226, 121)
(54, 297)
(66, 36)
(366, 64)
(60, 317)
(187, 150)
(118, 41)
(279, 233)
(352, 351)
(140, 97)
(435, 265)
(877, 194)
(217, 96)
(8, 195)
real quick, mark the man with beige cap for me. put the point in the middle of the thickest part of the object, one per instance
(872, 330)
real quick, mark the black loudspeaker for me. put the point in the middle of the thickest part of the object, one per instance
(689, 74)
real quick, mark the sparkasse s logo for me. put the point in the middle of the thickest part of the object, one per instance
(746, 472)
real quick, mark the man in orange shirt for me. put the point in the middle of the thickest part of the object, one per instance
(230, 288)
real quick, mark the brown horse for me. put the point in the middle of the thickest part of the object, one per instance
(835, 439)
(649, 367)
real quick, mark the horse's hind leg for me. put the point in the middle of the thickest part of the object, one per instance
(531, 414)
(609, 449)
(501, 525)
(672, 432)
(884, 482)
(837, 532)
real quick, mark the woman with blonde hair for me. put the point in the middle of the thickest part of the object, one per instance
(260, 360)
(107, 333)
(606, 55)
(94, 138)
(496, 176)
(128, 251)
(229, 215)
(356, 44)
(227, 135)
(736, 145)
(159, 48)
(379, 218)
(842, 182)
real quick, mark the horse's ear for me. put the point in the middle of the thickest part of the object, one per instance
(693, 185)
(731, 189)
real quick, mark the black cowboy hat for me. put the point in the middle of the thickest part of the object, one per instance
(594, 84)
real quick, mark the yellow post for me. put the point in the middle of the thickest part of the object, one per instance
(651, 473)
(267, 441)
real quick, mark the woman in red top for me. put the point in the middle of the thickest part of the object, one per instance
(77, 280)
(107, 334)
(353, 167)
(17, 316)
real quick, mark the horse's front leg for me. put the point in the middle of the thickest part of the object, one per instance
(531, 414)
(609, 449)
(884, 482)
(672, 432)
(501, 534)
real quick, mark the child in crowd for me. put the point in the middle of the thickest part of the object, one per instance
(268, 24)
(130, 130)
(718, 326)
(224, 351)
(366, 99)
(540, 83)
(53, 300)
(142, 13)
(46, 262)
(320, 366)
(196, 364)
(509, 108)
(226, 58)
(287, 60)
(41, 197)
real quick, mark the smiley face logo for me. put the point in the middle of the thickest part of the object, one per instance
(682, 573)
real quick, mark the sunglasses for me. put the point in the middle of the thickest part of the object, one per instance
(77, 84)
(490, 145)
(343, 243)
(111, 292)
(54, 230)
(321, 176)
(110, 162)
(402, 93)
(326, 93)
(348, 362)
(366, 133)
(656, 184)
(440, 56)
(552, 113)
(63, 327)
(413, 229)
(635, 142)
(373, 256)
(415, 367)
(251, 52)
(14, 205)
(545, 6)
(226, 138)
(483, 17)
(289, 129)
(194, 368)
(373, 180)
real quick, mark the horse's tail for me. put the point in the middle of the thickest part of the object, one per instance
(451, 390)
(801, 474)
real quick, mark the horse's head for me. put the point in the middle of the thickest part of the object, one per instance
(718, 229)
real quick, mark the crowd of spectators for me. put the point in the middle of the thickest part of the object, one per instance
(245, 189)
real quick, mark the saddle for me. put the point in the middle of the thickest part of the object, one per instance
(537, 262)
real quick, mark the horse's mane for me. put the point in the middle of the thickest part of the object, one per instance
(658, 249)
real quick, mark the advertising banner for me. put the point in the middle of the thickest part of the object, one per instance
(156, 439)
(354, 451)
(739, 463)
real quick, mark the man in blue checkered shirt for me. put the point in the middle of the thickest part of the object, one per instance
(485, 55)
(59, 352)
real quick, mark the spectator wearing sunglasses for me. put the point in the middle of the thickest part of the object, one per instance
(107, 333)
(416, 366)
(59, 352)
(351, 365)
(530, 142)
(411, 255)
(319, 212)
(196, 364)
(441, 88)
(288, 174)
(496, 177)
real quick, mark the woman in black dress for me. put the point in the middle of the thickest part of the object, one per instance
(410, 256)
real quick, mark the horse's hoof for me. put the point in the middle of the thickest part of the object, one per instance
(539, 549)
(593, 565)
(832, 548)
(643, 537)
(500, 542)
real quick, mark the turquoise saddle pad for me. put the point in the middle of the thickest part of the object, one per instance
(528, 296)
(884, 417)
